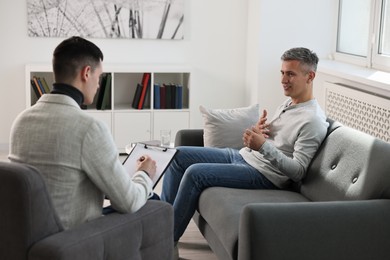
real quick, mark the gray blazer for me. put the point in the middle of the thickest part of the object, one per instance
(77, 158)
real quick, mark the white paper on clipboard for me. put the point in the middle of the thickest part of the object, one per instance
(162, 155)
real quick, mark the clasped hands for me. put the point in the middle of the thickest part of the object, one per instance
(255, 136)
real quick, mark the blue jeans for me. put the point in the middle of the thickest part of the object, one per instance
(196, 168)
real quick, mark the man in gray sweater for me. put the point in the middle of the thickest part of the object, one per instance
(75, 152)
(275, 152)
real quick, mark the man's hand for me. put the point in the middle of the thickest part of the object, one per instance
(253, 138)
(262, 126)
(147, 164)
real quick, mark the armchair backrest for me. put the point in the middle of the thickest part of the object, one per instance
(27, 214)
(189, 137)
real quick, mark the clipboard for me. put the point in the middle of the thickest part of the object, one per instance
(162, 155)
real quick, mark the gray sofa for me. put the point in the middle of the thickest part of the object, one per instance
(341, 210)
(30, 228)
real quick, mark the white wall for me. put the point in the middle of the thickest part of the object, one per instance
(276, 26)
(233, 47)
(214, 46)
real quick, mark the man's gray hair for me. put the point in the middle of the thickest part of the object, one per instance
(304, 55)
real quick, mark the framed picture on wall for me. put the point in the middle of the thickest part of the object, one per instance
(127, 19)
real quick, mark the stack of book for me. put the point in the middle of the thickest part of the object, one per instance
(39, 86)
(168, 96)
(142, 92)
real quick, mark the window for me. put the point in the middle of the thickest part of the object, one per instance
(354, 27)
(384, 42)
(363, 35)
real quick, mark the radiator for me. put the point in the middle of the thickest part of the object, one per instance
(363, 111)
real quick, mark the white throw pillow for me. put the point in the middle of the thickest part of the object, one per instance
(224, 127)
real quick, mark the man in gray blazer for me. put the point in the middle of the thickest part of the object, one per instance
(75, 152)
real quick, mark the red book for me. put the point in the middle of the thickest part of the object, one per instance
(145, 81)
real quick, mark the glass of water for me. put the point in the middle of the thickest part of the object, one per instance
(165, 136)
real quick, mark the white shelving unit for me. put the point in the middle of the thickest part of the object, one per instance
(126, 123)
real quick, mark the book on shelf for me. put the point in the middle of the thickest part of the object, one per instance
(106, 102)
(156, 98)
(137, 96)
(168, 96)
(146, 103)
(179, 97)
(145, 83)
(41, 86)
(101, 92)
(162, 96)
(36, 89)
(173, 95)
(104, 96)
(44, 84)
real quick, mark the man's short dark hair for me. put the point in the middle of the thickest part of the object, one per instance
(304, 55)
(73, 54)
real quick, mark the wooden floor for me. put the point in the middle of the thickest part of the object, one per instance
(193, 246)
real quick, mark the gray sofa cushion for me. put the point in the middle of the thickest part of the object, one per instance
(145, 234)
(221, 209)
(345, 169)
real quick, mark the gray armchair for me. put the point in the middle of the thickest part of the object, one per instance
(30, 228)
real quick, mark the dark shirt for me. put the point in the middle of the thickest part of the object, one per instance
(65, 89)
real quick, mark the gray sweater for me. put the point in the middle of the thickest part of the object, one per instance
(296, 132)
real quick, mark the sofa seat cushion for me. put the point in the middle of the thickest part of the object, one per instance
(221, 209)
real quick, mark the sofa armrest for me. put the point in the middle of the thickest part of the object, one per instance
(189, 137)
(315, 230)
(146, 234)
